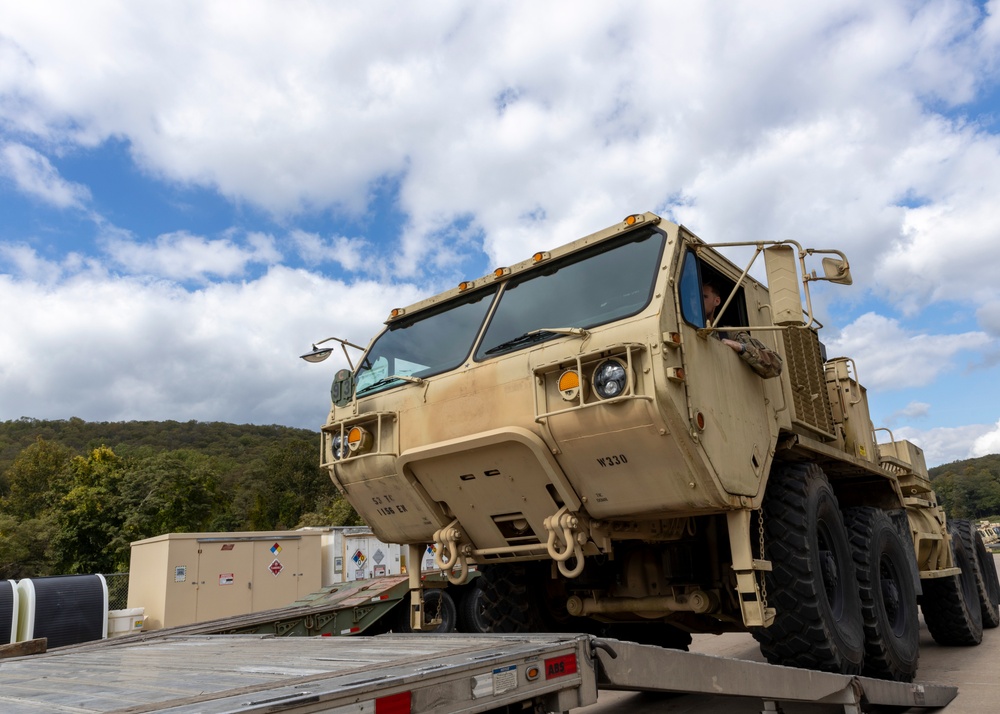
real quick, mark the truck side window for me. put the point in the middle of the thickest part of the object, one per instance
(692, 306)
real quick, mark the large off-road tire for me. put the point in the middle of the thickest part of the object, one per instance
(471, 610)
(508, 603)
(951, 605)
(812, 584)
(888, 595)
(987, 583)
(436, 601)
(650, 633)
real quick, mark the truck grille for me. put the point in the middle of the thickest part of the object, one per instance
(810, 400)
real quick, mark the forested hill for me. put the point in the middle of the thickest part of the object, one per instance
(75, 494)
(969, 488)
(210, 438)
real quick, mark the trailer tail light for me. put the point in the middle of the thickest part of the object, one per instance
(560, 666)
(393, 704)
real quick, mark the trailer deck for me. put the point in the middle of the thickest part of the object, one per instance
(213, 674)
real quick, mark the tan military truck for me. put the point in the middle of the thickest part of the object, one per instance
(578, 427)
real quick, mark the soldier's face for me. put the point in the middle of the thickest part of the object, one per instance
(711, 300)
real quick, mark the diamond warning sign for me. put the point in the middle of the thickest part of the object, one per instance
(275, 566)
(359, 558)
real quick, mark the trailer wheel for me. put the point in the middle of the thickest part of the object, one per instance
(951, 605)
(471, 615)
(812, 585)
(888, 595)
(987, 583)
(507, 604)
(433, 599)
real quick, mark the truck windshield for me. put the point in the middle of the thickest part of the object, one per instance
(429, 343)
(587, 289)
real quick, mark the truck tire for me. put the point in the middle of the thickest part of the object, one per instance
(507, 603)
(433, 599)
(471, 616)
(951, 606)
(812, 584)
(888, 595)
(987, 583)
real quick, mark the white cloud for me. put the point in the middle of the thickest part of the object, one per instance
(892, 358)
(26, 262)
(988, 443)
(182, 256)
(133, 349)
(913, 410)
(351, 254)
(35, 176)
(942, 445)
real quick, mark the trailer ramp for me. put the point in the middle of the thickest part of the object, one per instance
(632, 667)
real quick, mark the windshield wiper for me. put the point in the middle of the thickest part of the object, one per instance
(390, 378)
(537, 336)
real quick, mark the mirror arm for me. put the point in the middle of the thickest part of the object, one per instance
(344, 344)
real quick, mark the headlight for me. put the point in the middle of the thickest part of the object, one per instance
(610, 379)
(359, 440)
(337, 447)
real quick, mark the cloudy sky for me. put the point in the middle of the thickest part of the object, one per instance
(193, 192)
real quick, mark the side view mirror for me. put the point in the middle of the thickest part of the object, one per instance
(836, 270)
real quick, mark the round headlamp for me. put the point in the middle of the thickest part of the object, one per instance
(610, 379)
(359, 440)
(337, 446)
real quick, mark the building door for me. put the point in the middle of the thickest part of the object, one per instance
(225, 570)
(276, 573)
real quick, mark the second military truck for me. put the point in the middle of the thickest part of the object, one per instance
(592, 428)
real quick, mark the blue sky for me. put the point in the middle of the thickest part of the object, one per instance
(191, 194)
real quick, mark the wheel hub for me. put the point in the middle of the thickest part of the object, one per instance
(829, 571)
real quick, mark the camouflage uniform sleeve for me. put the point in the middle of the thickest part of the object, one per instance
(762, 360)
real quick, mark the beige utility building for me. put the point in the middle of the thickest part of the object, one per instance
(181, 578)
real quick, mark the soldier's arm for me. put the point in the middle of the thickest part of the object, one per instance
(762, 360)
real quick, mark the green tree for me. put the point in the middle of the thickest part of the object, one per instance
(91, 514)
(26, 546)
(31, 479)
(167, 492)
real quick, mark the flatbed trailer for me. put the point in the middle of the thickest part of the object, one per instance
(404, 674)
